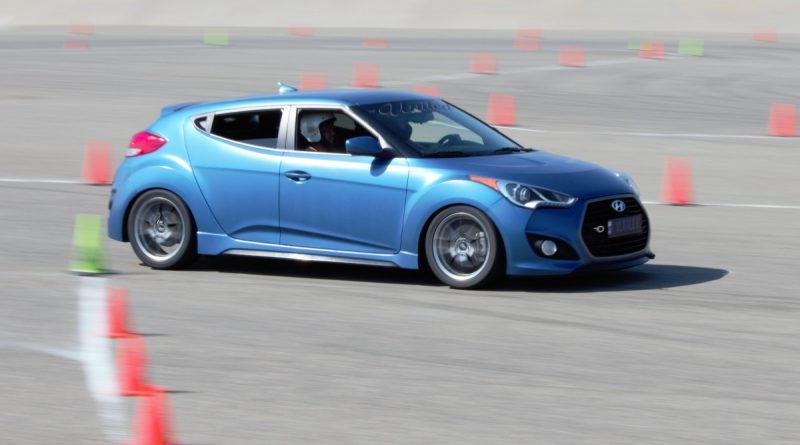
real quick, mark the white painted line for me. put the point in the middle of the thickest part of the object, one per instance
(651, 134)
(508, 72)
(67, 354)
(722, 204)
(97, 356)
(40, 181)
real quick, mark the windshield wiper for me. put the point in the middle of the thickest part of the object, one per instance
(511, 150)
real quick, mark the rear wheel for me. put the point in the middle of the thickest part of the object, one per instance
(462, 247)
(161, 230)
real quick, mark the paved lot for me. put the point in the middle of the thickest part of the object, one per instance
(699, 346)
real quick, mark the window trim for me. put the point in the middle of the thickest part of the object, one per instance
(282, 129)
(291, 136)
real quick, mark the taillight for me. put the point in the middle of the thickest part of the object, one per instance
(143, 143)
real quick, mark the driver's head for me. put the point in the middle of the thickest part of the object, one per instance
(312, 126)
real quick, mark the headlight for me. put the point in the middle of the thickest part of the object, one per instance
(626, 178)
(525, 195)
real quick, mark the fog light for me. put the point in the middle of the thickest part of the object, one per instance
(549, 248)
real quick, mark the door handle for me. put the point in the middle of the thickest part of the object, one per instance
(297, 176)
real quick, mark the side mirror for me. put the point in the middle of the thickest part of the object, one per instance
(363, 146)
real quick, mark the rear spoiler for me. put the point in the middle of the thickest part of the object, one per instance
(176, 107)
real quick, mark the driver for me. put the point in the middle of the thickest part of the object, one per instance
(319, 131)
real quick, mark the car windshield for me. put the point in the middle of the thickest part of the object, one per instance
(434, 128)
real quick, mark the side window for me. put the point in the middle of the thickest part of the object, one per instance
(325, 130)
(258, 127)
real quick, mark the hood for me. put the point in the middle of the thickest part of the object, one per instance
(577, 178)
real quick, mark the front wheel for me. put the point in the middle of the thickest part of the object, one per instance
(161, 230)
(463, 248)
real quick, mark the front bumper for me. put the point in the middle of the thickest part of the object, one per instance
(520, 228)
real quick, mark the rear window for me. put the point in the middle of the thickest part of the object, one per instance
(250, 127)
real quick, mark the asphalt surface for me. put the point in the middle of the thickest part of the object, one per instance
(699, 346)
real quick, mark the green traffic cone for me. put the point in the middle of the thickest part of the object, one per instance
(691, 47)
(216, 38)
(88, 245)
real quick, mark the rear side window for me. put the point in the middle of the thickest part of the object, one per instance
(259, 127)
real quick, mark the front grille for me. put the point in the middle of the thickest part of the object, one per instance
(599, 244)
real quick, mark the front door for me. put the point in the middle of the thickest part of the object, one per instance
(332, 200)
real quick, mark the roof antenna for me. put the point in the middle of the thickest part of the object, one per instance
(283, 88)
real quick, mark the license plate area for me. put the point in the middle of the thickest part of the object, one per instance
(629, 225)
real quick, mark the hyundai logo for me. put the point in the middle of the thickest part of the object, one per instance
(618, 205)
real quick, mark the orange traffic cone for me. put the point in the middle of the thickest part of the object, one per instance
(117, 313)
(300, 31)
(484, 64)
(527, 39)
(572, 57)
(652, 50)
(131, 365)
(501, 110)
(312, 81)
(783, 120)
(365, 75)
(677, 182)
(152, 425)
(375, 43)
(97, 163)
(430, 91)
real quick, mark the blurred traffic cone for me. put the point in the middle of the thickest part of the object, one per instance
(484, 64)
(527, 39)
(652, 50)
(152, 424)
(312, 81)
(375, 43)
(97, 163)
(572, 57)
(87, 244)
(76, 44)
(691, 47)
(118, 313)
(216, 38)
(764, 35)
(501, 110)
(84, 29)
(300, 31)
(430, 91)
(783, 120)
(365, 75)
(677, 182)
(131, 367)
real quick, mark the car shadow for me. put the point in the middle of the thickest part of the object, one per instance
(645, 277)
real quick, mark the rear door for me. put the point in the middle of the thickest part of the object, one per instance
(236, 158)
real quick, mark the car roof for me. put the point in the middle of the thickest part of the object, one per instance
(342, 97)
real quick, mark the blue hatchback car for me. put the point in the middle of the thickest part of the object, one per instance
(383, 178)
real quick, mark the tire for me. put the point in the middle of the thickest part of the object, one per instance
(161, 230)
(463, 248)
